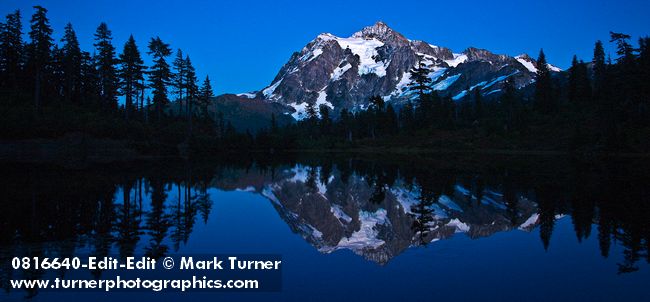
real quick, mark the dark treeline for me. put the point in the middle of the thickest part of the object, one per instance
(51, 88)
(602, 105)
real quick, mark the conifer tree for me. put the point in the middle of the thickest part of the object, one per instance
(599, 66)
(391, 124)
(346, 124)
(325, 120)
(205, 94)
(131, 74)
(39, 52)
(420, 84)
(159, 74)
(71, 65)
(406, 117)
(420, 80)
(191, 89)
(310, 110)
(573, 80)
(624, 49)
(544, 100)
(89, 91)
(179, 79)
(11, 51)
(106, 67)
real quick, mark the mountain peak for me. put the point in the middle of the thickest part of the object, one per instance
(380, 31)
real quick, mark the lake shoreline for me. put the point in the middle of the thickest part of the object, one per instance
(78, 149)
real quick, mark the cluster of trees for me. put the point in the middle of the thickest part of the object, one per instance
(603, 105)
(45, 85)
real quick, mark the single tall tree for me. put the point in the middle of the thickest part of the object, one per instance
(205, 94)
(89, 91)
(160, 74)
(544, 100)
(624, 49)
(179, 81)
(420, 80)
(39, 52)
(191, 89)
(131, 74)
(106, 67)
(11, 51)
(599, 67)
(71, 65)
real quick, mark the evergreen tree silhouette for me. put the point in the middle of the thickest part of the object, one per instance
(131, 74)
(159, 74)
(12, 52)
(106, 67)
(39, 52)
(544, 101)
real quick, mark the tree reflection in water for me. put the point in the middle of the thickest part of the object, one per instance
(152, 209)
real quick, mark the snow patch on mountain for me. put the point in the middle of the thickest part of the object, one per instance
(366, 49)
(339, 71)
(322, 100)
(248, 95)
(269, 92)
(528, 64)
(457, 60)
(531, 221)
(499, 79)
(300, 110)
(554, 68)
(448, 203)
(460, 226)
(366, 236)
(338, 212)
(444, 84)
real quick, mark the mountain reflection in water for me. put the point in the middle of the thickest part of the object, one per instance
(375, 209)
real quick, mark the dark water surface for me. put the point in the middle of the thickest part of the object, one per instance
(349, 228)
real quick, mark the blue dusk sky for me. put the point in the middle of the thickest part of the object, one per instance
(243, 44)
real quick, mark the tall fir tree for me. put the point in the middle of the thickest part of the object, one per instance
(71, 65)
(420, 80)
(179, 81)
(160, 74)
(391, 124)
(130, 74)
(573, 80)
(544, 100)
(11, 52)
(89, 91)
(325, 120)
(39, 53)
(624, 49)
(599, 67)
(192, 90)
(205, 94)
(421, 85)
(346, 124)
(106, 67)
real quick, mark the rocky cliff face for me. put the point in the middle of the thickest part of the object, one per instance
(345, 72)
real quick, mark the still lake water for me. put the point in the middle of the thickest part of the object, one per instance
(350, 228)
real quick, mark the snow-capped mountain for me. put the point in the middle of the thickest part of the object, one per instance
(344, 72)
